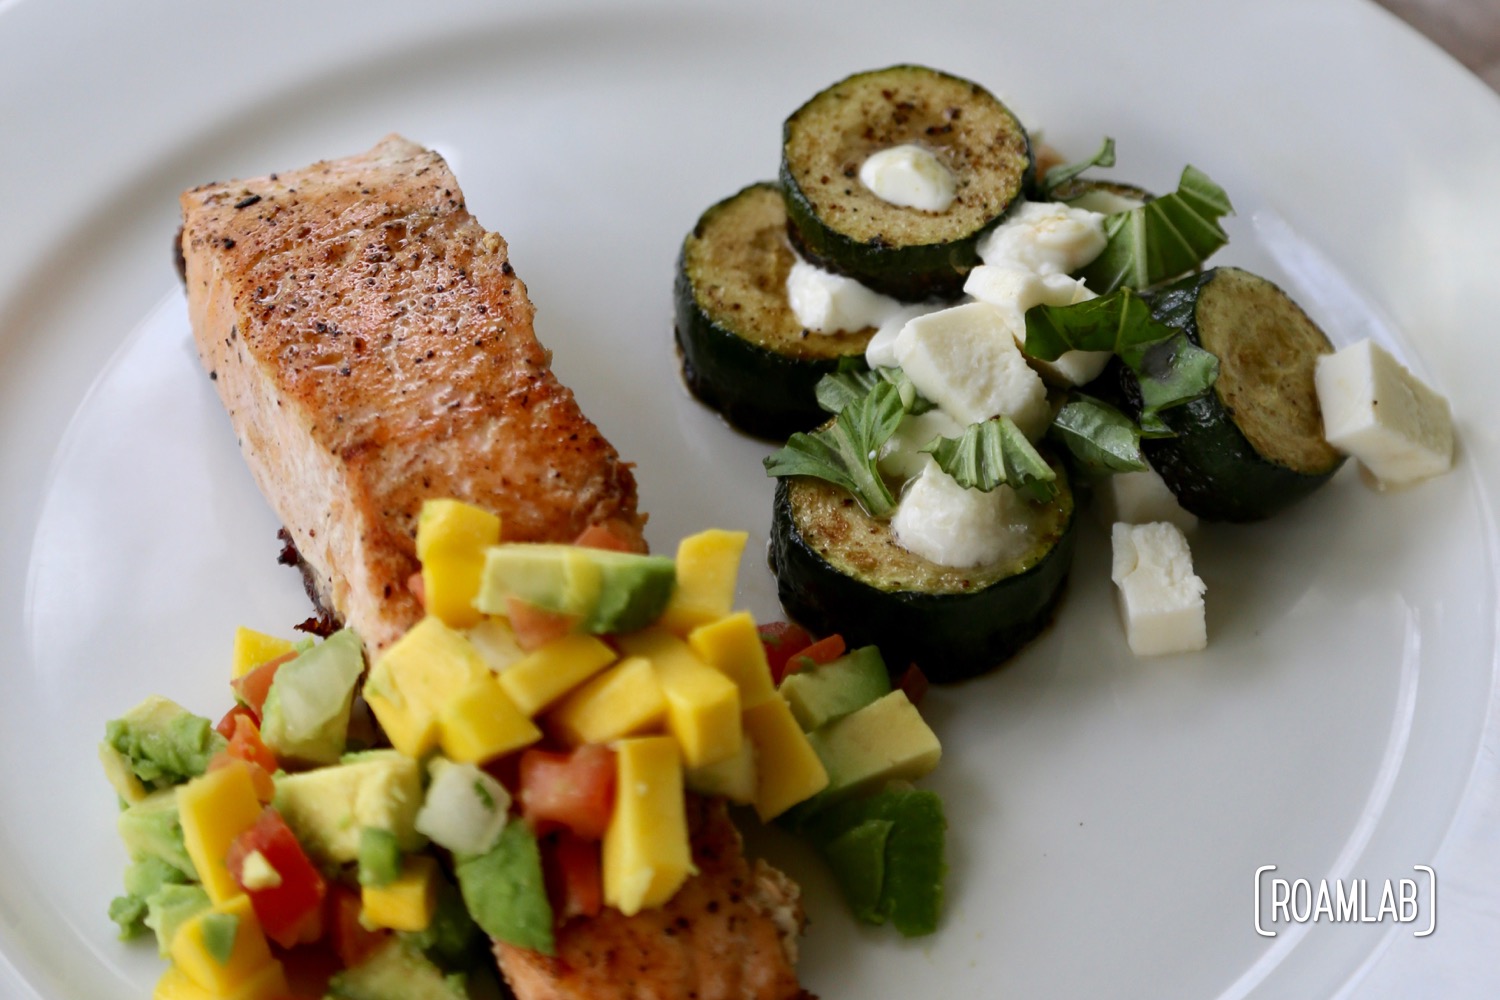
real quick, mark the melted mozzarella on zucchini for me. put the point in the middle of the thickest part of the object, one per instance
(1047, 237)
(825, 302)
(947, 524)
(909, 176)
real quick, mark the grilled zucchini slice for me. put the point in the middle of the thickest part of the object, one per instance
(743, 351)
(840, 570)
(1253, 444)
(1107, 197)
(907, 253)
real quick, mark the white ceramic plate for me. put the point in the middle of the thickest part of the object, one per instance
(1108, 814)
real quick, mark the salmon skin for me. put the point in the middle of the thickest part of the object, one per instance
(730, 933)
(374, 348)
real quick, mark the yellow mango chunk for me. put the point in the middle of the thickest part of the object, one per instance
(732, 646)
(415, 678)
(267, 984)
(624, 700)
(451, 540)
(544, 676)
(496, 643)
(708, 566)
(732, 778)
(408, 903)
(703, 706)
(482, 723)
(646, 856)
(788, 769)
(248, 956)
(252, 648)
(213, 810)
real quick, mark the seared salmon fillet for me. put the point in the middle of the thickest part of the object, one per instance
(374, 348)
(730, 933)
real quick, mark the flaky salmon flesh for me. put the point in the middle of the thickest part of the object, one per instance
(374, 348)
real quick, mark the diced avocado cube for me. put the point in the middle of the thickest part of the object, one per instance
(609, 591)
(834, 690)
(884, 741)
(857, 859)
(169, 908)
(732, 778)
(398, 971)
(505, 892)
(164, 742)
(143, 880)
(306, 715)
(152, 829)
(379, 857)
(453, 940)
(330, 807)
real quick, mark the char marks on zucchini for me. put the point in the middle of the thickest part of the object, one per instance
(743, 350)
(903, 252)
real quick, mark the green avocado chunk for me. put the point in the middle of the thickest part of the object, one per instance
(164, 743)
(171, 906)
(453, 940)
(379, 857)
(836, 689)
(331, 808)
(398, 971)
(504, 891)
(151, 829)
(306, 714)
(883, 741)
(219, 932)
(144, 879)
(610, 591)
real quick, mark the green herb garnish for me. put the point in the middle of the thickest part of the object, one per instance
(992, 453)
(1101, 438)
(851, 384)
(846, 452)
(1164, 238)
(1060, 175)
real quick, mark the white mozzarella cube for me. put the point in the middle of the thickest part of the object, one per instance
(1160, 599)
(909, 176)
(965, 360)
(1013, 290)
(901, 457)
(1046, 237)
(1139, 498)
(1374, 409)
(880, 352)
(945, 523)
(825, 302)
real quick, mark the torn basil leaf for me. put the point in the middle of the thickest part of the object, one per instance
(1162, 239)
(1100, 437)
(836, 391)
(846, 452)
(1060, 175)
(993, 453)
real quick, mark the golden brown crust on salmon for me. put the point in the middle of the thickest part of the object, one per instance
(374, 348)
(730, 933)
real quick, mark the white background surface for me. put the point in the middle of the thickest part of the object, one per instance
(1108, 814)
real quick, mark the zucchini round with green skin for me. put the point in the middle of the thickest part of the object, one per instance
(1253, 444)
(1107, 197)
(908, 253)
(840, 570)
(744, 352)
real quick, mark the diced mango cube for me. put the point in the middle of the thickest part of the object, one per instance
(788, 769)
(408, 903)
(267, 984)
(646, 856)
(247, 955)
(451, 540)
(708, 567)
(732, 778)
(624, 700)
(252, 648)
(732, 646)
(213, 810)
(482, 723)
(703, 706)
(546, 675)
(415, 678)
(496, 643)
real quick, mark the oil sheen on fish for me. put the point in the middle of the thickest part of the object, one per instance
(374, 348)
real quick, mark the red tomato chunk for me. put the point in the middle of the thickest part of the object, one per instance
(290, 912)
(572, 790)
(782, 640)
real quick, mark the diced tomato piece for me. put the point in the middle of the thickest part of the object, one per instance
(260, 778)
(604, 536)
(825, 650)
(246, 744)
(308, 970)
(290, 912)
(418, 588)
(914, 683)
(574, 874)
(225, 726)
(252, 688)
(352, 940)
(574, 790)
(535, 627)
(782, 640)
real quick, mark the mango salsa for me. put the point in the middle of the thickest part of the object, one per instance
(408, 903)
(222, 966)
(789, 770)
(646, 852)
(624, 700)
(213, 810)
(452, 537)
(482, 723)
(252, 648)
(703, 706)
(267, 984)
(708, 566)
(547, 674)
(415, 678)
(732, 646)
